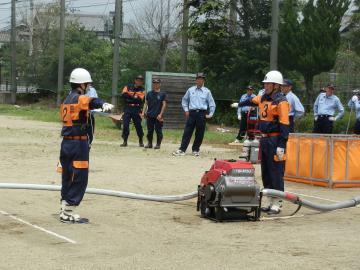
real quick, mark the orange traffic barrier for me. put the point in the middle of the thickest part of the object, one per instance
(323, 160)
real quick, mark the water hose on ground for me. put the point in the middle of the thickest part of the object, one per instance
(291, 197)
(107, 192)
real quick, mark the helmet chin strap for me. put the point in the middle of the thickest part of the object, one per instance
(273, 89)
(83, 90)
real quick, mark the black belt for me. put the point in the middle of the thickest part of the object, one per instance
(197, 110)
(324, 116)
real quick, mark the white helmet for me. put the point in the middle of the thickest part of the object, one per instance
(273, 76)
(80, 75)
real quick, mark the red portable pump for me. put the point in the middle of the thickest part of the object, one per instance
(229, 191)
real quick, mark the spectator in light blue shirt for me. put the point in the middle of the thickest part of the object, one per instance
(324, 111)
(242, 113)
(296, 108)
(354, 104)
(92, 92)
(198, 105)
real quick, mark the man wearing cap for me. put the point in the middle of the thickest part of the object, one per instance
(242, 113)
(296, 108)
(133, 95)
(324, 111)
(354, 104)
(198, 105)
(154, 108)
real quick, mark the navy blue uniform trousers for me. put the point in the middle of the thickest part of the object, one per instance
(134, 114)
(291, 124)
(195, 121)
(74, 179)
(91, 128)
(243, 126)
(323, 125)
(272, 171)
(152, 123)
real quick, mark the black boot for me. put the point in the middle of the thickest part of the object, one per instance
(124, 144)
(141, 142)
(158, 143)
(149, 145)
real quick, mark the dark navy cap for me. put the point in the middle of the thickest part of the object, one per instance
(288, 82)
(139, 77)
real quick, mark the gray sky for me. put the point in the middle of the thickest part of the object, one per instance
(131, 7)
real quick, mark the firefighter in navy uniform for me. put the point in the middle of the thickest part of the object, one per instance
(74, 153)
(274, 125)
(154, 108)
(133, 95)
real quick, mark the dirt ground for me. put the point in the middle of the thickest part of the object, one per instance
(131, 234)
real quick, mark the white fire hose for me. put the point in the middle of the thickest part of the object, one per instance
(107, 192)
(291, 197)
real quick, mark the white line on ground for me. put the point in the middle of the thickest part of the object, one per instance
(37, 227)
(284, 217)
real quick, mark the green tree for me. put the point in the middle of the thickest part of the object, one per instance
(310, 38)
(352, 29)
(231, 58)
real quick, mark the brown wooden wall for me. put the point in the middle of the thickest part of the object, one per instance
(175, 88)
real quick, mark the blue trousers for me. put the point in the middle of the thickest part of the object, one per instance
(91, 128)
(195, 121)
(134, 114)
(74, 154)
(272, 172)
(152, 123)
(291, 124)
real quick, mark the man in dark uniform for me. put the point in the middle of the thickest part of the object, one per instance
(154, 108)
(242, 113)
(74, 153)
(274, 125)
(133, 95)
(196, 103)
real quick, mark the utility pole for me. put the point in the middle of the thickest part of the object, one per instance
(13, 54)
(61, 53)
(117, 33)
(232, 16)
(31, 26)
(184, 34)
(274, 35)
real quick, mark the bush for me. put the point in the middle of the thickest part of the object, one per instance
(306, 124)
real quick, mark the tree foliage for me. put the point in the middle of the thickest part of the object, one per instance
(310, 37)
(232, 59)
(352, 36)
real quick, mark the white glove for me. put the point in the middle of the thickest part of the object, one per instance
(234, 105)
(239, 116)
(280, 153)
(106, 107)
(332, 118)
(316, 118)
(354, 98)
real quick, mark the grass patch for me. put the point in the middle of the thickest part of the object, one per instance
(105, 129)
